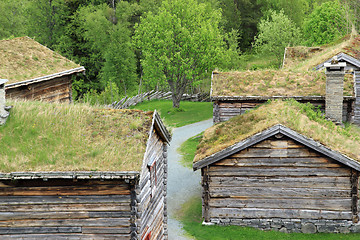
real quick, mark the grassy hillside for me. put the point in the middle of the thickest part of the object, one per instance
(61, 137)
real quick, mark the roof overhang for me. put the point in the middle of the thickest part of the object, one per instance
(70, 175)
(265, 98)
(342, 57)
(45, 78)
(276, 129)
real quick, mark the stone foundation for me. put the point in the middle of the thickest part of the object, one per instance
(293, 225)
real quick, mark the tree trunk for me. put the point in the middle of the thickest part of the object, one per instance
(176, 100)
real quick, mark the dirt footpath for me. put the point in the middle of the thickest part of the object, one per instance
(183, 183)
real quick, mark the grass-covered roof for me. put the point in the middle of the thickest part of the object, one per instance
(42, 136)
(307, 58)
(23, 58)
(299, 117)
(273, 83)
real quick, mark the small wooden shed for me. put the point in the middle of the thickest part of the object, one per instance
(234, 93)
(280, 168)
(112, 186)
(36, 72)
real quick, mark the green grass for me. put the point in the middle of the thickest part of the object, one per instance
(192, 222)
(41, 136)
(188, 149)
(189, 112)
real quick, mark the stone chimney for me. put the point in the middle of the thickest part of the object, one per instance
(335, 72)
(3, 109)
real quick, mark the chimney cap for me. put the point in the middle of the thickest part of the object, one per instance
(3, 81)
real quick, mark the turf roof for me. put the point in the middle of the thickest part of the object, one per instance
(294, 115)
(307, 58)
(23, 58)
(42, 136)
(273, 83)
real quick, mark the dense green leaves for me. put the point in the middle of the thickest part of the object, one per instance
(276, 33)
(325, 24)
(179, 44)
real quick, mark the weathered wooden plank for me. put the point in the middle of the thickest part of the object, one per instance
(299, 182)
(276, 143)
(275, 192)
(106, 230)
(68, 236)
(95, 222)
(337, 204)
(278, 213)
(285, 153)
(354, 179)
(278, 171)
(230, 105)
(32, 230)
(279, 162)
(5, 216)
(65, 190)
(30, 200)
(64, 207)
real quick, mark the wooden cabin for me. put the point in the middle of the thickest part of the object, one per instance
(36, 72)
(234, 93)
(104, 178)
(270, 173)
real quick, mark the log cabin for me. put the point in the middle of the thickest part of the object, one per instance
(36, 72)
(281, 167)
(234, 93)
(86, 173)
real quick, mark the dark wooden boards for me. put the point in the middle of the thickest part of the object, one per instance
(278, 178)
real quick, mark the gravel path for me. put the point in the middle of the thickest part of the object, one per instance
(183, 183)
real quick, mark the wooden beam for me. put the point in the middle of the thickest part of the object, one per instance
(354, 179)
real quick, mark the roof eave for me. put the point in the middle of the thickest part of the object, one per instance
(265, 98)
(45, 78)
(103, 175)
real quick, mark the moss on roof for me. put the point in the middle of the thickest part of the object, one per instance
(273, 83)
(23, 59)
(42, 136)
(299, 117)
(307, 58)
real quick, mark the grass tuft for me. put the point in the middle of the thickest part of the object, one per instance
(41, 136)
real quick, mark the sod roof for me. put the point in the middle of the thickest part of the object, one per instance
(24, 59)
(307, 58)
(273, 83)
(42, 136)
(299, 117)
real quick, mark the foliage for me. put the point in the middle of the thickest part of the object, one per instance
(108, 35)
(188, 149)
(276, 33)
(179, 44)
(325, 24)
(190, 112)
(191, 220)
(295, 9)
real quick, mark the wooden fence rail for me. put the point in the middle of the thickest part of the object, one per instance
(127, 102)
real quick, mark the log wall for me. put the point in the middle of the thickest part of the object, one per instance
(277, 179)
(357, 95)
(224, 110)
(65, 209)
(53, 90)
(151, 194)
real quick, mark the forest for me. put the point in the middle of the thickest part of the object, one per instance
(132, 46)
